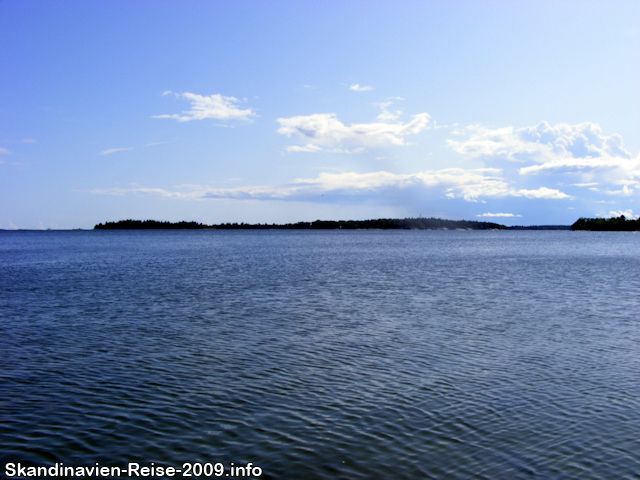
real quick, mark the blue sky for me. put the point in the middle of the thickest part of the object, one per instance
(281, 111)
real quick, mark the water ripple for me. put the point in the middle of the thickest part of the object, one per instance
(324, 354)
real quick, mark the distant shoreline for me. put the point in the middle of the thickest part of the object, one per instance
(614, 224)
(378, 224)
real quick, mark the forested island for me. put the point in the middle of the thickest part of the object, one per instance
(379, 224)
(614, 224)
(593, 224)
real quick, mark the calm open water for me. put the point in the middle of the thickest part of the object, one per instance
(324, 354)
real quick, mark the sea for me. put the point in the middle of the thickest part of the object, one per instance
(321, 354)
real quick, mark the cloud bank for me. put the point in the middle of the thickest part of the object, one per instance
(529, 164)
(562, 148)
(469, 185)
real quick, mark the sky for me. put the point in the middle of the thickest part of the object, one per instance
(520, 113)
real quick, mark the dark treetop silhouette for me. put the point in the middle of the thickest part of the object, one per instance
(383, 223)
(619, 224)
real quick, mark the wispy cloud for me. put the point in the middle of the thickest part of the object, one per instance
(114, 150)
(625, 191)
(488, 214)
(310, 147)
(216, 107)
(10, 226)
(386, 115)
(577, 165)
(357, 88)
(325, 130)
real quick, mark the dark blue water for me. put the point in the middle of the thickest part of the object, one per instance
(324, 355)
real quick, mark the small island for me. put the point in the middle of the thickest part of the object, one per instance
(379, 224)
(613, 224)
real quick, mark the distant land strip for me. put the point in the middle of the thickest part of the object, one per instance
(380, 224)
(613, 224)
(591, 224)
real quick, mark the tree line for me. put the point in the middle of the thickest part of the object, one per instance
(380, 224)
(594, 224)
(613, 224)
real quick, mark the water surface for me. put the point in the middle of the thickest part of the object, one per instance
(324, 354)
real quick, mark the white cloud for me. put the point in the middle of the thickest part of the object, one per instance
(624, 192)
(488, 214)
(576, 165)
(499, 188)
(627, 213)
(4, 151)
(542, 192)
(310, 147)
(386, 115)
(452, 182)
(484, 142)
(581, 151)
(541, 143)
(114, 150)
(563, 148)
(215, 106)
(357, 88)
(325, 130)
